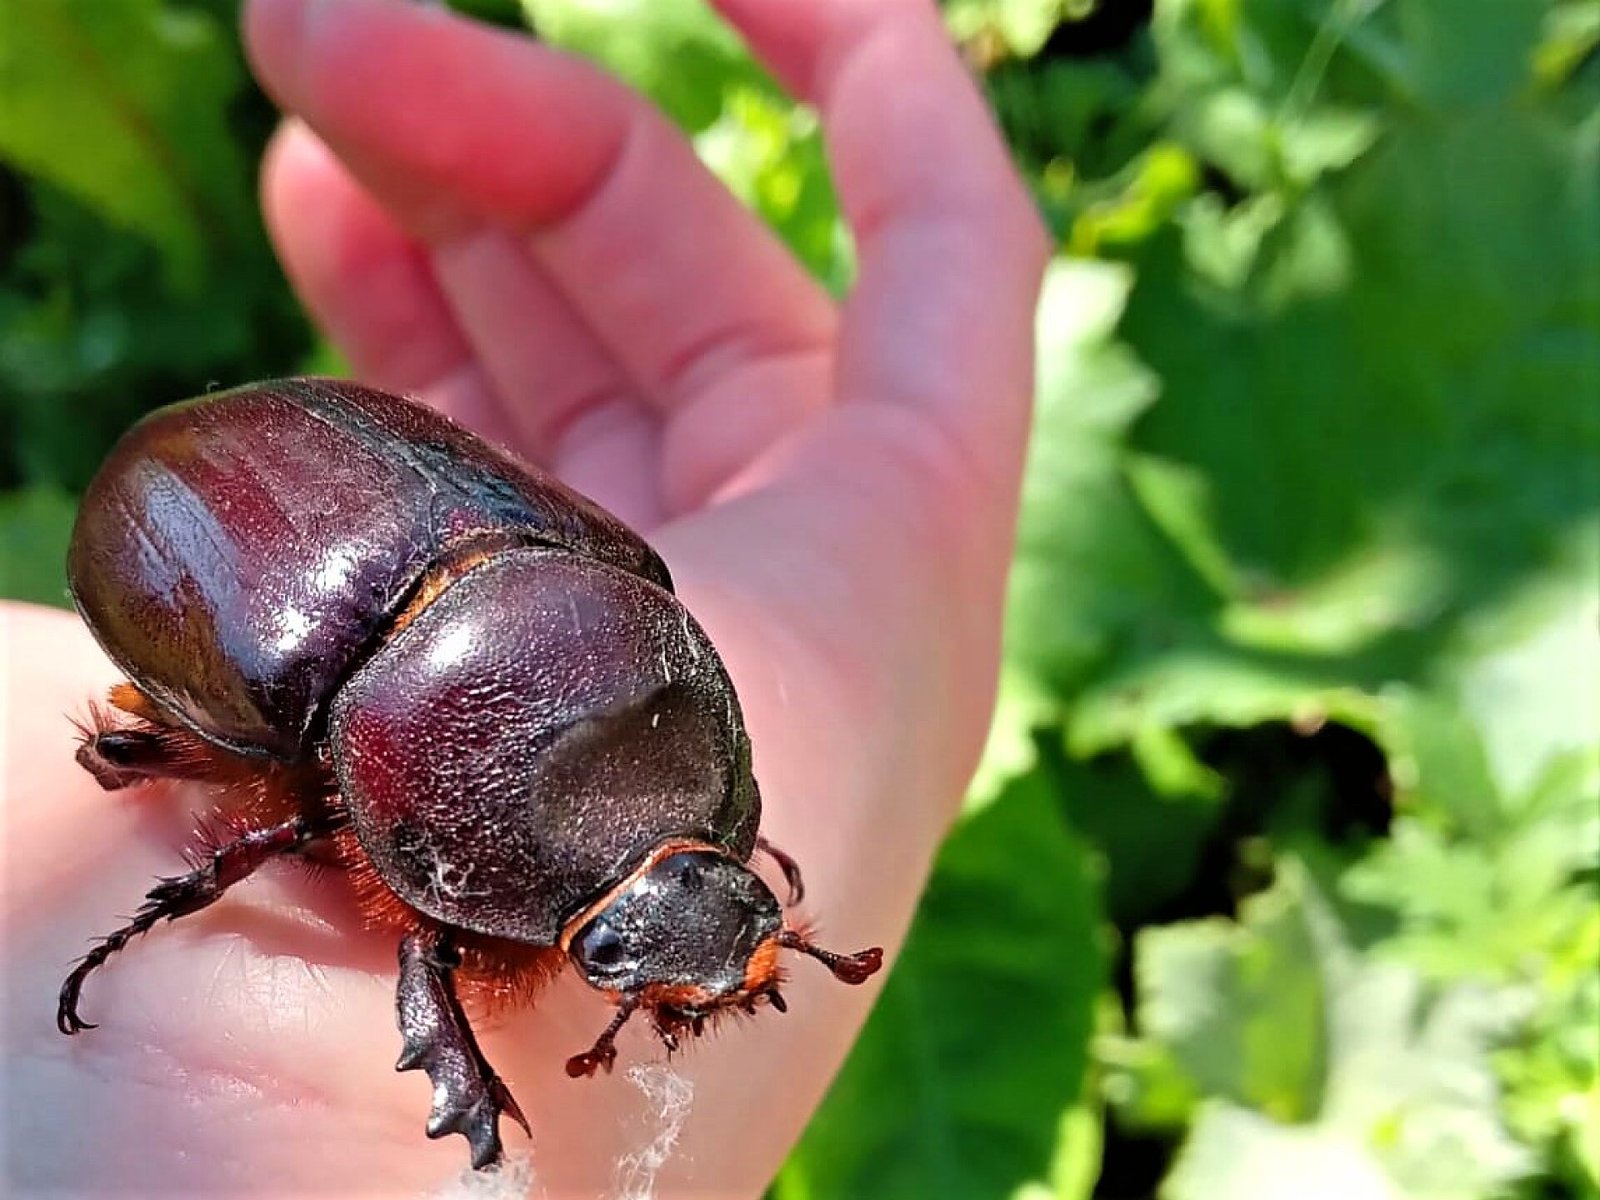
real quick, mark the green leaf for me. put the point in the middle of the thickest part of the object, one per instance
(978, 1044)
(1420, 421)
(91, 337)
(1091, 570)
(1363, 445)
(1499, 763)
(125, 106)
(1239, 1006)
(1524, 672)
(1358, 1076)
(1239, 1154)
(1325, 139)
(1413, 1080)
(1570, 35)
(1116, 802)
(1469, 52)
(1022, 26)
(1021, 711)
(1027, 24)
(675, 51)
(34, 528)
(1553, 1076)
(1075, 1165)
(1135, 204)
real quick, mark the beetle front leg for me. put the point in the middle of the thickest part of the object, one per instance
(468, 1097)
(181, 895)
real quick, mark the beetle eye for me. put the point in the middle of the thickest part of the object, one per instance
(690, 876)
(601, 946)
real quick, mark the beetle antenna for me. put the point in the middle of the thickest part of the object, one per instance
(846, 968)
(790, 869)
(604, 1051)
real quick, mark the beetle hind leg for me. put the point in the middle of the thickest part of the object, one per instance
(129, 741)
(180, 895)
(120, 758)
(468, 1097)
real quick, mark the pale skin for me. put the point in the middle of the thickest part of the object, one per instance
(518, 239)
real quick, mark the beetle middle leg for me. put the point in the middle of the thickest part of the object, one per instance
(468, 1097)
(180, 895)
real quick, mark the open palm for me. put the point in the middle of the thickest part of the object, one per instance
(516, 238)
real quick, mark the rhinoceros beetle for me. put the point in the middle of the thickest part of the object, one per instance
(385, 640)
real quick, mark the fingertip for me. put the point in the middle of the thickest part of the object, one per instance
(443, 118)
(315, 213)
(787, 35)
(797, 39)
(272, 33)
(365, 280)
(293, 166)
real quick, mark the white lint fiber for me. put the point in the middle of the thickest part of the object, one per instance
(669, 1097)
(512, 1180)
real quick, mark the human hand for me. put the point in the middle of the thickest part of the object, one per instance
(518, 239)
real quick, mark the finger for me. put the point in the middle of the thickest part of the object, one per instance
(451, 125)
(950, 248)
(394, 325)
(471, 326)
(368, 286)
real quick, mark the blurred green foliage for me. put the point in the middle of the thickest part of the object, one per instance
(1280, 877)
(133, 265)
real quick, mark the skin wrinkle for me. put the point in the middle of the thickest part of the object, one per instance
(437, 218)
(145, 1056)
(613, 166)
(777, 391)
(600, 195)
(725, 353)
(568, 250)
(485, 256)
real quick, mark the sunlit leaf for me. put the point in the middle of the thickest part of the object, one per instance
(125, 105)
(1358, 1075)
(1221, 998)
(1091, 570)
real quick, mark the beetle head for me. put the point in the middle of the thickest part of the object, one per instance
(688, 931)
(689, 935)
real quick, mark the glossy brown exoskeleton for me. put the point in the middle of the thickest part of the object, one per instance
(475, 687)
